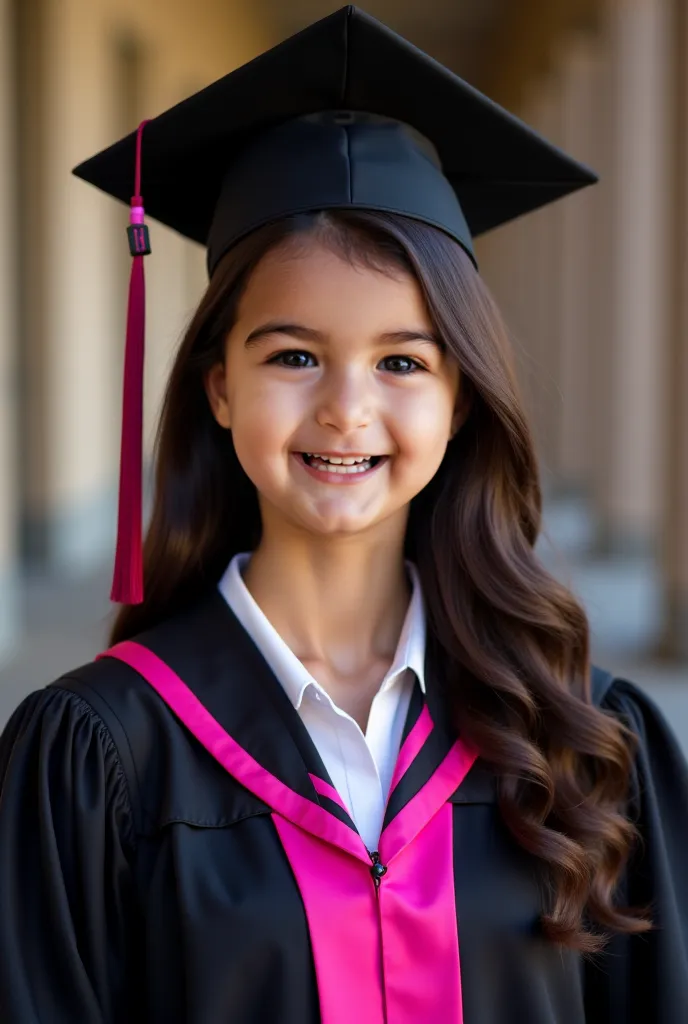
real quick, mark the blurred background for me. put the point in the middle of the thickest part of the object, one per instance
(593, 289)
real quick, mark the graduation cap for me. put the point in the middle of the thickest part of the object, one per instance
(345, 114)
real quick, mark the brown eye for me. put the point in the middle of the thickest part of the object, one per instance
(292, 358)
(402, 365)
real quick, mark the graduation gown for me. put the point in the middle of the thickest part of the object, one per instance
(172, 851)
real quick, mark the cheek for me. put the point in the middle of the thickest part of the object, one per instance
(256, 434)
(424, 425)
(263, 421)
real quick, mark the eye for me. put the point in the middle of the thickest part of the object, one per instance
(402, 365)
(291, 358)
(297, 359)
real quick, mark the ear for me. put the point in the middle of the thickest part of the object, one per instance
(215, 383)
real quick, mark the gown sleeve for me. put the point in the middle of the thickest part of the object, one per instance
(66, 889)
(645, 978)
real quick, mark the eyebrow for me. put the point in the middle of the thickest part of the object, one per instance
(302, 333)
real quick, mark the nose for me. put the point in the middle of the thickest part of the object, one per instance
(345, 401)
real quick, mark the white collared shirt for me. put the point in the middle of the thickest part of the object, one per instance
(360, 766)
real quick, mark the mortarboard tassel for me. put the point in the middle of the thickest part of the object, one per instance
(127, 582)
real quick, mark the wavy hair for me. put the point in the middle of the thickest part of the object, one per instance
(513, 642)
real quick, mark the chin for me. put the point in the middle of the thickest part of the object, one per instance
(343, 526)
(340, 527)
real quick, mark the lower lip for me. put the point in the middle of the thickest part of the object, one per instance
(338, 478)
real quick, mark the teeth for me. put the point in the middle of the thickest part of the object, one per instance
(337, 461)
(337, 464)
(328, 468)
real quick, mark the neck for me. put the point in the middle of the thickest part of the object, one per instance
(340, 602)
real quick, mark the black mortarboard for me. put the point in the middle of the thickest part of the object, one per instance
(344, 114)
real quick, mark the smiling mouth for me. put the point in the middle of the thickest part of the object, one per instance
(343, 466)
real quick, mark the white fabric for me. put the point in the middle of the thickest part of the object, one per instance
(360, 766)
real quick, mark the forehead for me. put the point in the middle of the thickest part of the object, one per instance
(310, 279)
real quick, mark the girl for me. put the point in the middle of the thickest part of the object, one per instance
(346, 761)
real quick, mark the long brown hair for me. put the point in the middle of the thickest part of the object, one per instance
(514, 642)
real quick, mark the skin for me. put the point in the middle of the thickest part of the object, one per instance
(369, 380)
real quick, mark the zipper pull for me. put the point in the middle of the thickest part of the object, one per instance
(378, 869)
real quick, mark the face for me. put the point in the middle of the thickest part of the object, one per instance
(337, 360)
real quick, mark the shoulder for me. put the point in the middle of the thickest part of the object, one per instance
(623, 698)
(629, 702)
(128, 711)
(58, 756)
(118, 694)
(601, 681)
(626, 700)
(171, 776)
(105, 718)
(660, 769)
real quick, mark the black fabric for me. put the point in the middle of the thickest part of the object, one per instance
(140, 882)
(416, 705)
(334, 808)
(428, 760)
(436, 746)
(332, 161)
(236, 154)
(646, 979)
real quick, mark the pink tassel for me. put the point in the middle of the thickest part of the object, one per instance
(127, 583)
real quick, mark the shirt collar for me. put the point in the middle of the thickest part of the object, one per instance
(294, 677)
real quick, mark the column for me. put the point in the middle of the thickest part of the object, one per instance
(505, 259)
(67, 269)
(575, 441)
(8, 411)
(631, 377)
(543, 250)
(675, 532)
(599, 283)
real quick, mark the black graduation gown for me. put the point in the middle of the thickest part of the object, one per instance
(140, 881)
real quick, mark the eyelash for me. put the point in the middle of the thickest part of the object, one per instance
(298, 352)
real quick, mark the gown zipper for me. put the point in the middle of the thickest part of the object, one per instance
(378, 870)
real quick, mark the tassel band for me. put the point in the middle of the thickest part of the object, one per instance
(139, 240)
